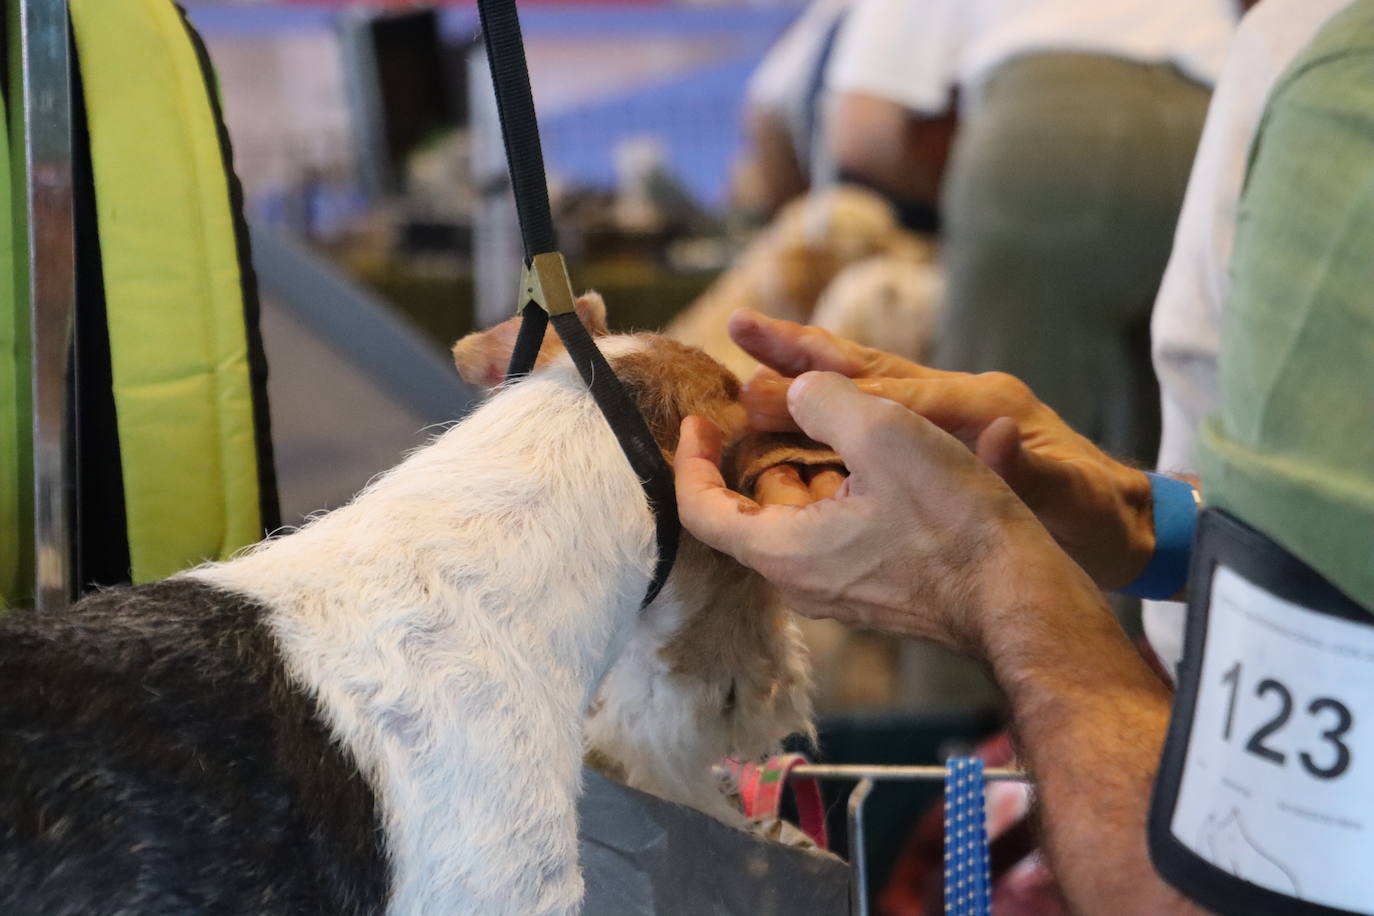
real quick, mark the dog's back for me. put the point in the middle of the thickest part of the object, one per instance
(382, 712)
(156, 758)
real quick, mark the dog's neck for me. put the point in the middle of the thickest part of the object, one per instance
(460, 614)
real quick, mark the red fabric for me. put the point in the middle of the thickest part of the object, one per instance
(761, 790)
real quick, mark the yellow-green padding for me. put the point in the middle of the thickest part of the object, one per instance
(173, 289)
(16, 495)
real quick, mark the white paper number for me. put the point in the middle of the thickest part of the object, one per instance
(1278, 784)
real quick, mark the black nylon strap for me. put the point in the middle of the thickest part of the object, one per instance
(533, 322)
(524, 154)
(635, 441)
(525, 159)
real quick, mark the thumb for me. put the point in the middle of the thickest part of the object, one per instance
(871, 434)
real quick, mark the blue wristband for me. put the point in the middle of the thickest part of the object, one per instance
(1175, 513)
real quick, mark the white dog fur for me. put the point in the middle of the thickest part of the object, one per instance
(459, 617)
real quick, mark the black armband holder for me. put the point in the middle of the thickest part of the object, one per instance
(1265, 798)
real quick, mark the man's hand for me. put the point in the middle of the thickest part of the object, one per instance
(920, 540)
(1098, 509)
(790, 485)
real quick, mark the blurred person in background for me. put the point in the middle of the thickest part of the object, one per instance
(781, 112)
(1078, 121)
(1186, 325)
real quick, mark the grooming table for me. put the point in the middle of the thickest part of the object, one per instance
(642, 856)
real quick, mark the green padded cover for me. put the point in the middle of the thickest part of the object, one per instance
(16, 435)
(174, 288)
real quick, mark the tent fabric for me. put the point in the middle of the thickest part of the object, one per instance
(193, 443)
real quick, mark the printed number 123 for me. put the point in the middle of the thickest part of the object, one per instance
(1255, 744)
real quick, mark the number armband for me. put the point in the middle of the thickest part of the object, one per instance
(1262, 801)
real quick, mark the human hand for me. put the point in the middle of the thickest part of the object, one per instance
(920, 540)
(793, 485)
(1098, 509)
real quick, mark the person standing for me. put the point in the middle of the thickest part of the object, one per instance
(1077, 126)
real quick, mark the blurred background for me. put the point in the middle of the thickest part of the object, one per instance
(368, 131)
(367, 143)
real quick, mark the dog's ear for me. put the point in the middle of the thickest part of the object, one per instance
(482, 356)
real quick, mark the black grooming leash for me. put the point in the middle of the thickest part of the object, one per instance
(545, 291)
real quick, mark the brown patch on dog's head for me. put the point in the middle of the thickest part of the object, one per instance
(670, 381)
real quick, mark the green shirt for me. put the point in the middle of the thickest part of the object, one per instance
(1291, 450)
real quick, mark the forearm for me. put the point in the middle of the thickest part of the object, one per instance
(881, 144)
(1090, 719)
(775, 175)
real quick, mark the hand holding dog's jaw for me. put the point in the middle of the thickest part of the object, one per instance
(922, 540)
(1098, 509)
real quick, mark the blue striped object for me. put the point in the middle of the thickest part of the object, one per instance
(968, 874)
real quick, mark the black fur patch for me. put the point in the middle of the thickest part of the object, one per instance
(155, 758)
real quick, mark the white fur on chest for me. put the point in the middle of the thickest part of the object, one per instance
(453, 622)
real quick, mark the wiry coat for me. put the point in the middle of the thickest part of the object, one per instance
(383, 710)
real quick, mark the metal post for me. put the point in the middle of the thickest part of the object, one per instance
(497, 250)
(897, 773)
(858, 857)
(47, 104)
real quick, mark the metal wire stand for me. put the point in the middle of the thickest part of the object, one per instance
(865, 777)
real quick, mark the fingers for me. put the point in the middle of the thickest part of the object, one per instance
(999, 446)
(869, 433)
(792, 349)
(782, 486)
(765, 400)
(790, 485)
(718, 516)
(826, 483)
(957, 404)
(1037, 480)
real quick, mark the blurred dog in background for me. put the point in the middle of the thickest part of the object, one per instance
(890, 281)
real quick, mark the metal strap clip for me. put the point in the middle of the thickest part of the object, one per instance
(544, 281)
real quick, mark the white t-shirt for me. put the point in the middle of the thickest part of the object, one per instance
(914, 52)
(1186, 326)
(783, 81)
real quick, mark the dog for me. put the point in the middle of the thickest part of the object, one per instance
(383, 711)
(726, 674)
(786, 269)
(888, 302)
